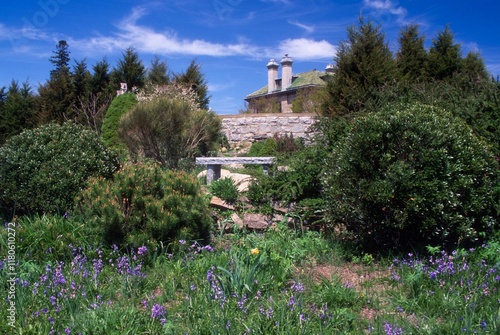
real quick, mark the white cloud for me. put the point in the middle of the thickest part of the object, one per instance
(145, 39)
(307, 49)
(309, 29)
(384, 7)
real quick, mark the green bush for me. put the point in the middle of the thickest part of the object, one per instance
(146, 205)
(411, 176)
(119, 107)
(168, 130)
(265, 148)
(48, 237)
(225, 189)
(43, 169)
(301, 180)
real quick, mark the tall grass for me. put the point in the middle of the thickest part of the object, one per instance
(245, 284)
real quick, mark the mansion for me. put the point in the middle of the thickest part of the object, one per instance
(280, 93)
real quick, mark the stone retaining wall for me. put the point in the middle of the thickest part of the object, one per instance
(252, 127)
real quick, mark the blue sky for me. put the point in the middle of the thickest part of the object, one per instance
(231, 39)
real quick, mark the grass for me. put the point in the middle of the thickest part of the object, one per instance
(278, 282)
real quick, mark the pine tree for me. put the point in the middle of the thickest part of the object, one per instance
(56, 95)
(100, 80)
(130, 70)
(158, 73)
(60, 59)
(473, 67)
(97, 98)
(194, 79)
(444, 56)
(81, 79)
(364, 64)
(17, 112)
(411, 58)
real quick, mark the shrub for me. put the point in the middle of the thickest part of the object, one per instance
(43, 169)
(119, 107)
(146, 205)
(300, 181)
(287, 144)
(225, 189)
(47, 237)
(169, 129)
(268, 147)
(412, 176)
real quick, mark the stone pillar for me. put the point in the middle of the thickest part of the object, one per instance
(213, 172)
(265, 169)
(272, 74)
(286, 72)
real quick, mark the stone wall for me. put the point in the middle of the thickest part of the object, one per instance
(251, 127)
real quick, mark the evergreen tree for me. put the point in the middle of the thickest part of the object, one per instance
(99, 92)
(17, 111)
(194, 79)
(81, 79)
(364, 64)
(60, 59)
(411, 59)
(130, 70)
(444, 56)
(100, 80)
(473, 67)
(56, 95)
(158, 73)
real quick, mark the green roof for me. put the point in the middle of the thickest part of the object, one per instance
(310, 78)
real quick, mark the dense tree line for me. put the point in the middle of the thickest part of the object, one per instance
(82, 94)
(369, 77)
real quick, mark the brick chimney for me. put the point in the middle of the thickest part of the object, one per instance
(286, 72)
(272, 74)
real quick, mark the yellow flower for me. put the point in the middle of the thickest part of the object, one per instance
(254, 251)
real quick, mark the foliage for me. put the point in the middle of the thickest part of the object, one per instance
(17, 110)
(46, 238)
(411, 59)
(119, 107)
(158, 73)
(265, 148)
(143, 204)
(225, 189)
(41, 170)
(194, 80)
(364, 64)
(459, 286)
(130, 70)
(265, 105)
(410, 176)
(299, 183)
(307, 101)
(168, 130)
(287, 144)
(444, 56)
(275, 282)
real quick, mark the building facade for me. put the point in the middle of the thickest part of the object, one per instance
(280, 93)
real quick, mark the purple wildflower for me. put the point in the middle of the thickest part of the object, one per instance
(298, 287)
(158, 311)
(142, 250)
(392, 329)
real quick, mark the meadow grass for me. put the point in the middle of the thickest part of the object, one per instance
(277, 282)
